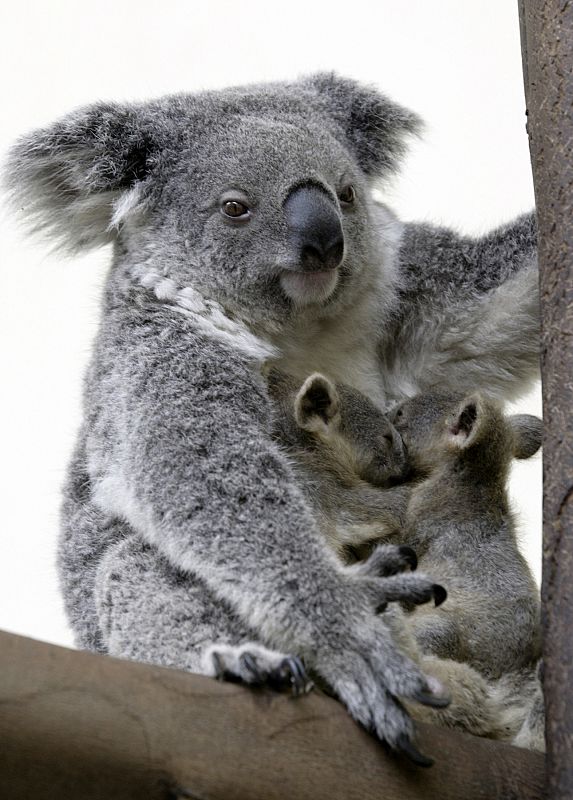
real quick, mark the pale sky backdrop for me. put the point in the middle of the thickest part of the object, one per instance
(456, 63)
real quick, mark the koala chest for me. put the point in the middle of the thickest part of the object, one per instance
(349, 353)
(342, 354)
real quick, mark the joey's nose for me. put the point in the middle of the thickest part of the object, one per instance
(314, 229)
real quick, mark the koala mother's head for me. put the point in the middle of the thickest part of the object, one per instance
(258, 197)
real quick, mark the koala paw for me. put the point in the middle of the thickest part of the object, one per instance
(255, 665)
(390, 562)
(386, 560)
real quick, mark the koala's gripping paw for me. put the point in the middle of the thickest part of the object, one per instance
(371, 676)
(255, 665)
(358, 652)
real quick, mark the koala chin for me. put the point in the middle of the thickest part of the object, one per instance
(306, 288)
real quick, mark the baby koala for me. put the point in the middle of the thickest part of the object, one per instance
(460, 523)
(432, 477)
(345, 451)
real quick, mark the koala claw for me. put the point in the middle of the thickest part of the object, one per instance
(440, 594)
(255, 665)
(408, 748)
(291, 672)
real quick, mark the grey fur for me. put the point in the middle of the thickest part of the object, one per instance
(175, 481)
(460, 524)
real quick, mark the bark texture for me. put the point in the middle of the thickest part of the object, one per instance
(547, 45)
(77, 725)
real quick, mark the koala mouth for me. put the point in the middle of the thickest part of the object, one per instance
(305, 287)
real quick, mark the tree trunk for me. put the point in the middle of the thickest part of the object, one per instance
(547, 47)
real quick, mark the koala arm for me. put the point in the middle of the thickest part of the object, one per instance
(469, 309)
(194, 471)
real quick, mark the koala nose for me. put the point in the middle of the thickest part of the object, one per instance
(314, 228)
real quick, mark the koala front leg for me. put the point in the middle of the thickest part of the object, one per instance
(198, 477)
(149, 611)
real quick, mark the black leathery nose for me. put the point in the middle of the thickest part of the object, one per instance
(315, 229)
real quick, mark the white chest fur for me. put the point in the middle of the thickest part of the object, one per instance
(343, 348)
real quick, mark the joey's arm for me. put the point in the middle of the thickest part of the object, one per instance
(469, 312)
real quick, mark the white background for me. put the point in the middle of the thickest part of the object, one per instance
(457, 64)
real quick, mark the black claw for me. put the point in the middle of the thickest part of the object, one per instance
(380, 608)
(404, 745)
(440, 594)
(249, 664)
(409, 556)
(297, 675)
(432, 700)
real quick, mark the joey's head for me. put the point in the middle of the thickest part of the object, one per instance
(441, 429)
(350, 432)
(259, 197)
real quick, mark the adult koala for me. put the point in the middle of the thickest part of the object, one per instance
(244, 232)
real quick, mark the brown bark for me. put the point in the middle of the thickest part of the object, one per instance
(78, 726)
(547, 45)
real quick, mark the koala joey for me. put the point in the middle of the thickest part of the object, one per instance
(244, 231)
(452, 454)
(460, 522)
(344, 450)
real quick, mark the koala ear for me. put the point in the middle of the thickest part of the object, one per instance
(528, 432)
(375, 127)
(77, 179)
(465, 423)
(317, 405)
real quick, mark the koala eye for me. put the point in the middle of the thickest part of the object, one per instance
(235, 209)
(347, 195)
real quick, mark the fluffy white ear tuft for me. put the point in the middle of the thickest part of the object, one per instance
(77, 179)
(317, 404)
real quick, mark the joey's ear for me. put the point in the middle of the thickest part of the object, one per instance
(528, 431)
(76, 179)
(465, 423)
(317, 405)
(375, 127)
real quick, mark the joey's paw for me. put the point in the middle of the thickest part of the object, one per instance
(412, 589)
(255, 665)
(386, 560)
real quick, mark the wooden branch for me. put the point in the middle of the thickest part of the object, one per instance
(547, 46)
(81, 726)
